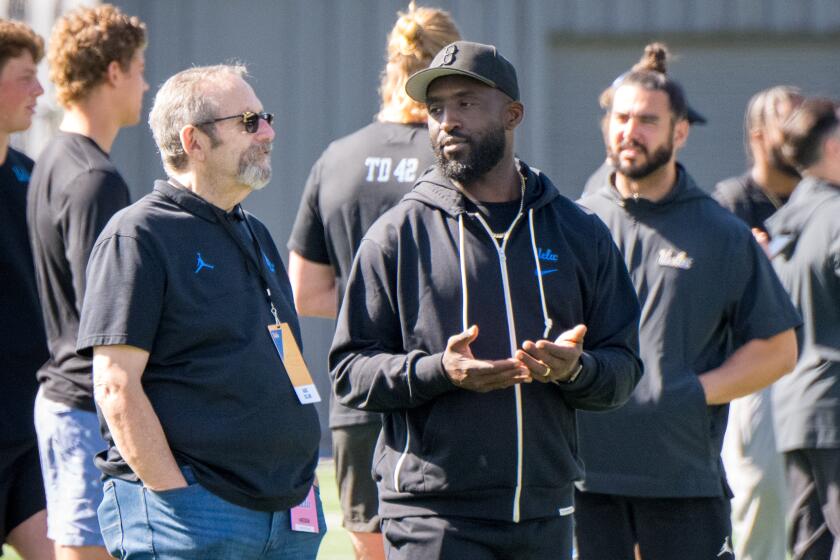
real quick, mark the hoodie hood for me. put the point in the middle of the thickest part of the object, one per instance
(808, 196)
(786, 225)
(434, 189)
(685, 190)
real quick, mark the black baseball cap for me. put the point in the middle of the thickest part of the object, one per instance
(465, 58)
(694, 117)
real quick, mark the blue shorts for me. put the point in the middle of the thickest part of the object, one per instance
(191, 523)
(68, 439)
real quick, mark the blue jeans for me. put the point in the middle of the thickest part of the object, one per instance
(192, 523)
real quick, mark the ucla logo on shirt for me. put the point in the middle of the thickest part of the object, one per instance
(21, 173)
(548, 262)
(674, 259)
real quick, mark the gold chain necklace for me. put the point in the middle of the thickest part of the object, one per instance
(501, 236)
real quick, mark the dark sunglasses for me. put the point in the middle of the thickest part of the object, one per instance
(249, 119)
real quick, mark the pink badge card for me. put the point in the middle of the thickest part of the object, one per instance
(305, 516)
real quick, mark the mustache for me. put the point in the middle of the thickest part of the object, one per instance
(632, 144)
(443, 139)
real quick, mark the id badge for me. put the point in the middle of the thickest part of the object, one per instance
(286, 345)
(305, 515)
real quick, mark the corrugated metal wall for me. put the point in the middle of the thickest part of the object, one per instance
(316, 64)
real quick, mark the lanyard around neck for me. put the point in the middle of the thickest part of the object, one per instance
(253, 258)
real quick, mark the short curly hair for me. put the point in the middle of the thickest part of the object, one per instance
(84, 42)
(16, 38)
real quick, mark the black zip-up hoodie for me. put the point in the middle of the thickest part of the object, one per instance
(427, 270)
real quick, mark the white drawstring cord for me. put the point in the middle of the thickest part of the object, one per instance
(546, 319)
(462, 259)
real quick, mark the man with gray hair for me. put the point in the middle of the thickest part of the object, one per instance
(212, 442)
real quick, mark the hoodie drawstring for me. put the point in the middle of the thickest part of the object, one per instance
(463, 264)
(546, 319)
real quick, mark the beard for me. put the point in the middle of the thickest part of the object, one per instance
(255, 166)
(653, 162)
(779, 162)
(483, 153)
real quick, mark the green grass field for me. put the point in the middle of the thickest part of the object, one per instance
(336, 543)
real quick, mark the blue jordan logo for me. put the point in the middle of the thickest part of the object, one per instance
(201, 264)
(268, 263)
(21, 173)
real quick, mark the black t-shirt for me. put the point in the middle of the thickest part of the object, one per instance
(355, 181)
(169, 275)
(24, 347)
(75, 191)
(498, 215)
(743, 197)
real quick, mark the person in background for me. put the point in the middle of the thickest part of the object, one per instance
(23, 514)
(355, 181)
(716, 325)
(753, 465)
(805, 251)
(96, 63)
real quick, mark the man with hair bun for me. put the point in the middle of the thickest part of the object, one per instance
(600, 175)
(753, 465)
(716, 325)
(354, 182)
(805, 250)
(23, 517)
(96, 63)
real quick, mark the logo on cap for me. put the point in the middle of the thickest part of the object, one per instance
(449, 55)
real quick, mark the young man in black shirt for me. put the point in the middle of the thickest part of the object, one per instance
(753, 465)
(96, 62)
(23, 517)
(354, 182)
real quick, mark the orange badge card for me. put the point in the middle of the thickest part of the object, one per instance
(286, 345)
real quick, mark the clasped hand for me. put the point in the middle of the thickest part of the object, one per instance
(544, 361)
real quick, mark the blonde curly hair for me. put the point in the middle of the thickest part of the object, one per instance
(84, 42)
(414, 41)
(17, 37)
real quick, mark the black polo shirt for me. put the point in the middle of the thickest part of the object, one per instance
(168, 275)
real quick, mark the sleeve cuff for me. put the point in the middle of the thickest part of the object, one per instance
(588, 365)
(430, 379)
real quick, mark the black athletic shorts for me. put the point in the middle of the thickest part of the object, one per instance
(353, 452)
(460, 538)
(607, 527)
(21, 487)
